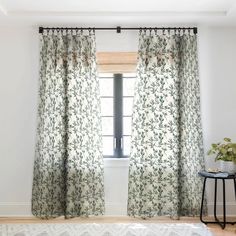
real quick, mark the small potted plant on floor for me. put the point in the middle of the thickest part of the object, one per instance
(225, 152)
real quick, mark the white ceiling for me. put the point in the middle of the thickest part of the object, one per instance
(118, 12)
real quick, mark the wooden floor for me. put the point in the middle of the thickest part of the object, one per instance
(215, 229)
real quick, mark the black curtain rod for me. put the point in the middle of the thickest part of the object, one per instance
(118, 28)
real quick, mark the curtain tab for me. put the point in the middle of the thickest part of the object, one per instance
(150, 31)
(155, 30)
(163, 31)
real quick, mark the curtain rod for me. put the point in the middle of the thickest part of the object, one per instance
(118, 28)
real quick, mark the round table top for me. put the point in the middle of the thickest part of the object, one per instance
(218, 175)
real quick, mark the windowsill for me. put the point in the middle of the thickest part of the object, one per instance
(116, 162)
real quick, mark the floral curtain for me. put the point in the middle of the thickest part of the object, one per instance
(166, 147)
(68, 169)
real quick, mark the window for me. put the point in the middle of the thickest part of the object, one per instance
(116, 106)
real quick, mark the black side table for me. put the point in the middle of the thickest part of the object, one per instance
(223, 177)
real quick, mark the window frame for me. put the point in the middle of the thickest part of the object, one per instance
(118, 135)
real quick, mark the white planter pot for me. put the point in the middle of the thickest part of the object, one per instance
(227, 166)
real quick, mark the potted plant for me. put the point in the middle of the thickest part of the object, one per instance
(225, 152)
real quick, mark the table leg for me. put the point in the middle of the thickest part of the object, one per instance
(224, 210)
(203, 194)
(217, 221)
(215, 200)
(235, 188)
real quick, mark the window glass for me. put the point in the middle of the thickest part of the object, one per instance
(126, 145)
(128, 86)
(127, 125)
(107, 106)
(106, 87)
(111, 96)
(127, 106)
(107, 145)
(107, 125)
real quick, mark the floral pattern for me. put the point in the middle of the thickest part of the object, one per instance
(68, 169)
(166, 147)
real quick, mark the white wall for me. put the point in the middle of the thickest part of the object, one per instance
(18, 106)
(18, 96)
(217, 50)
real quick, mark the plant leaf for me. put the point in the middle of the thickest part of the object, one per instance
(227, 139)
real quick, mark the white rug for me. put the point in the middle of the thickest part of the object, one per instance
(132, 229)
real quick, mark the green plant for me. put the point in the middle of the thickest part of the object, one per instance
(225, 151)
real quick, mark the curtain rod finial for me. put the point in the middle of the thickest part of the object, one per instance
(118, 29)
(195, 30)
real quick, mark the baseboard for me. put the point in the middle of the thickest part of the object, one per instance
(230, 208)
(15, 209)
(23, 209)
(116, 209)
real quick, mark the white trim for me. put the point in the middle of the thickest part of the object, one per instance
(119, 13)
(23, 209)
(116, 209)
(116, 162)
(230, 208)
(231, 9)
(3, 10)
(19, 209)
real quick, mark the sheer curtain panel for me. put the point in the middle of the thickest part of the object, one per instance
(167, 147)
(68, 169)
